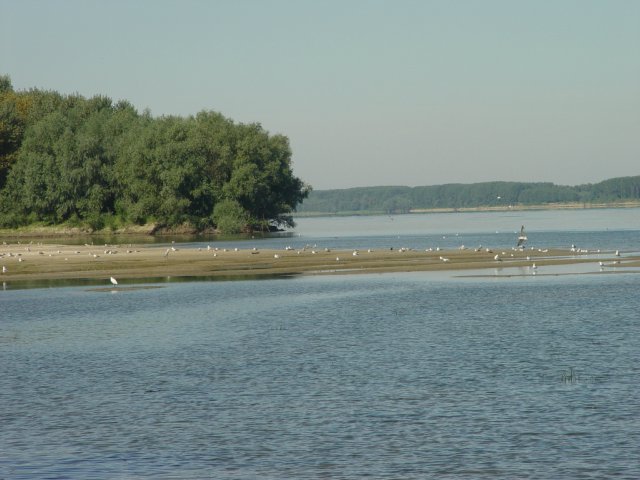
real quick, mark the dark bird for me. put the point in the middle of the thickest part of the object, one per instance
(522, 238)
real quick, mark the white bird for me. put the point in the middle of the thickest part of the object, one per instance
(275, 255)
(534, 266)
(114, 281)
(497, 258)
(617, 253)
(4, 269)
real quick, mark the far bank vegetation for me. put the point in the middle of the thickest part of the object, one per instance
(488, 195)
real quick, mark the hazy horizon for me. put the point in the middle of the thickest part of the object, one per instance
(370, 93)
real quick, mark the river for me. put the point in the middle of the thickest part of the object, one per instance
(412, 375)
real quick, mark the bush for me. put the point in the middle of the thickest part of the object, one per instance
(230, 217)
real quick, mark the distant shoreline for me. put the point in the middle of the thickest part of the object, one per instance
(57, 231)
(547, 206)
(497, 208)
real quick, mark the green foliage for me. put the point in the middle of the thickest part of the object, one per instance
(5, 84)
(488, 194)
(230, 217)
(90, 161)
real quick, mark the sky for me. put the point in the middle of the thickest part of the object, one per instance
(369, 92)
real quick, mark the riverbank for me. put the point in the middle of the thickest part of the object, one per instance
(493, 208)
(152, 229)
(61, 231)
(33, 262)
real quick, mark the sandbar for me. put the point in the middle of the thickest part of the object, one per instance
(34, 261)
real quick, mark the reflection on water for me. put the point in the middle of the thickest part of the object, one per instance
(144, 239)
(94, 282)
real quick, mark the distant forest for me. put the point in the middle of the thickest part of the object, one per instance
(455, 196)
(95, 164)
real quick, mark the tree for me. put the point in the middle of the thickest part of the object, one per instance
(89, 161)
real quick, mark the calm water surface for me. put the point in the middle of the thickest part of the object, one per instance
(381, 376)
(607, 229)
(421, 375)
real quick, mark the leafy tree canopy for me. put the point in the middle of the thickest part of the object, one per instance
(90, 161)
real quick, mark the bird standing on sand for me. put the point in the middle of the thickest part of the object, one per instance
(114, 281)
(4, 269)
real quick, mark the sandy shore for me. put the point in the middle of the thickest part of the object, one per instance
(33, 261)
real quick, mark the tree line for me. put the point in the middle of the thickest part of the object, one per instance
(95, 163)
(452, 196)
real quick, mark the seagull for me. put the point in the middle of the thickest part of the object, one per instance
(114, 281)
(522, 238)
(4, 269)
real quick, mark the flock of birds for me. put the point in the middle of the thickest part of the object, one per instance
(498, 257)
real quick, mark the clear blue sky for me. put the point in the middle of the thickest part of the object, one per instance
(369, 92)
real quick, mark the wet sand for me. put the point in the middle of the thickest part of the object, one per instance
(32, 262)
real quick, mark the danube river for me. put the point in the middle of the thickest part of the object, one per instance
(412, 375)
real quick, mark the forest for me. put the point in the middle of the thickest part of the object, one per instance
(455, 196)
(97, 164)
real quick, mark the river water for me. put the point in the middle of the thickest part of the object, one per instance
(412, 375)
